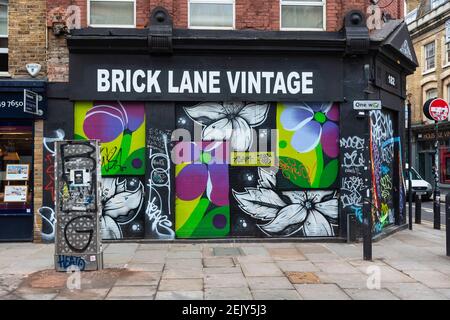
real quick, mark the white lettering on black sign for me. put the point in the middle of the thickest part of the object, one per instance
(207, 82)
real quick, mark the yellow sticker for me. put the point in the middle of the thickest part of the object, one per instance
(253, 159)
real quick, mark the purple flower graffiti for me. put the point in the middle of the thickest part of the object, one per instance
(107, 120)
(312, 125)
(208, 172)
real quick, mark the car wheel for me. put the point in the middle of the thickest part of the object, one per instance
(426, 197)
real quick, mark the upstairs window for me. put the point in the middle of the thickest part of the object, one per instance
(3, 36)
(112, 13)
(211, 14)
(430, 53)
(302, 14)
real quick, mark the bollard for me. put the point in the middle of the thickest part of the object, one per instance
(418, 201)
(447, 222)
(437, 211)
(351, 228)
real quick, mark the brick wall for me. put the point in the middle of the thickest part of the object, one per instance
(26, 36)
(250, 14)
(38, 176)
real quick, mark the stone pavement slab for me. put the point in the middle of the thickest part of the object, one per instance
(336, 267)
(366, 294)
(218, 262)
(121, 292)
(265, 269)
(180, 284)
(432, 279)
(228, 294)
(179, 295)
(185, 273)
(286, 254)
(88, 294)
(228, 280)
(138, 278)
(265, 283)
(321, 292)
(414, 291)
(297, 266)
(276, 295)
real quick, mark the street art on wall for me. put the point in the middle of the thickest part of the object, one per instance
(120, 127)
(232, 171)
(353, 184)
(231, 122)
(382, 143)
(122, 208)
(202, 192)
(159, 212)
(307, 213)
(308, 141)
(77, 205)
(47, 212)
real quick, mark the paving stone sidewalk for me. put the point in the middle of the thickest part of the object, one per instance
(412, 265)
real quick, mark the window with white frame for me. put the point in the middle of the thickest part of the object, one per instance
(430, 54)
(431, 94)
(437, 3)
(3, 35)
(211, 14)
(447, 54)
(112, 13)
(303, 14)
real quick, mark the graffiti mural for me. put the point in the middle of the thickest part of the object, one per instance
(77, 204)
(308, 141)
(47, 212)
(122, 208)
(231, 122)
(353, 184)
(202, 187)
(308, 213)
(120, 127)
(159, 212)
(382, 143)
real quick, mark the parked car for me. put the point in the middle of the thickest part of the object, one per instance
(419, 185)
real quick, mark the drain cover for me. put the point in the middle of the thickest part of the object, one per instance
(302, 277)
(226, 252)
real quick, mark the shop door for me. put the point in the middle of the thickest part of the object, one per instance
(385, 151)
(16, 183)
(426, 162)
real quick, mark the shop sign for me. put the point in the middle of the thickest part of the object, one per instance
(22, 104)
(213, 78)
(436, 109)
(367, 105)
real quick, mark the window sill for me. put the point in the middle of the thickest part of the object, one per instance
(302, 29)
(111, 26)
(210, 28)
(5, 74)
(424, 73)
(446, 65)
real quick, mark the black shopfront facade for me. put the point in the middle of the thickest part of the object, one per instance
(23, 105)
(237, 134)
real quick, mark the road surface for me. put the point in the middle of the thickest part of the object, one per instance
(427, 211)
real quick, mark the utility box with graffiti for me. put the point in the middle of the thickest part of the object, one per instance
(78, 206)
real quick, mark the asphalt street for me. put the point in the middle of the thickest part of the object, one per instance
(427, 211)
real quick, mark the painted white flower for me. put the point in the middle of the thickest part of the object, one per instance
(289, 212)
(229, 121)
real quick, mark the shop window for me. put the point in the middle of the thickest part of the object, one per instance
(112, 13)
(3, 36)
(445, 165)
(304, 15)
(211, 14)
(16, 154)
(430, 53)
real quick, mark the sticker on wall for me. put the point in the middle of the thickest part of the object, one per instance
(308, 145)
(202, 187)
(120, 127)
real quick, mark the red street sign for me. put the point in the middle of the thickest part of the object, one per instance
(436, 109)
